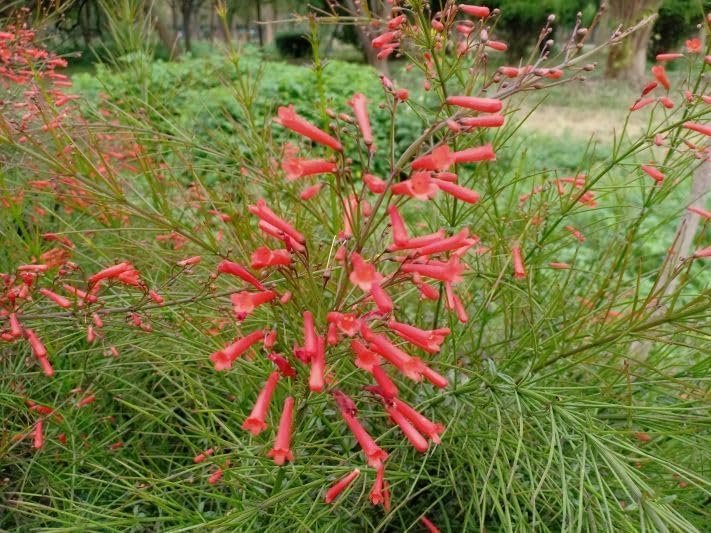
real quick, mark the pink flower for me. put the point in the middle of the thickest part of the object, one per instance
(363, 274)
(388, 388)
(519, 269)
(365, 359)
(484, 121)
(431, 528)
(289, 119)
(484, 105)
(310, 192)
(642, 102)
(318, 366)
(425, 426)
(360, 109)
(374, 184)
(223, 359)
(382, 40)
(110, 272)
(263, 257)
(310, 337)
(420, 186)
(653, 172)
(439, 159)
(281, 452)
(703, 253)
(61, 301)
(298, 168)
(575, 233)
(661, 75)
(700, 128)
(347, 323)
(428, 340)
(668, 57)
(230, 267)
(693, 46)
(377, 496)
(451, 271)
(38, 440)
(339, 486)
(374, 454)
(700, 211)
(474, 11)
(215, 476)
(381, 298)
(459, 192)
(243, 303)
(475, 154)
(199, 458)
(411, 367)
(267, 215)
(282, 364)
(256, 421)
(414, 436)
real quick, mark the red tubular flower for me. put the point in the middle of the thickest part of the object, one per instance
(230, 267)
(459, 192)
(281, 452)
(282, 364)
(310, 192)
(373, 453)
(377, 495)
(215, 476)
(575, 233)
(703, 213)
(110, 272)
(559, 266)
(451, 271)
(699, 128)
(256, 421)
(383, 39)
(666, 102)
(668, 57)
(702, 253)
(291, 244)
(346, 323)
(431, 528)
(519, 269)
(199, 458)
(649, 87)
(295, 168)
(484, 121)
(424, 425)
(418, 242)
(411, 367)
(428, 340)
(223, 359)
(435, 378)
(388, 388)
(642, 102)
(38, 440)
(374, 184)
(653, 172)
(438, 159)
(420, 186)
(264, 257)
(661, 75)
(414, 436)
(473, 155)
(310, 337)
(36, 344)
(46, 367)
(365, 359)
(318, 366)
(332, 334)
(267, 215)
(474, 11)
(190, 261)
(339, 486)
(483, 105)
(381, 298)
(243, 303)
(499, 46)
(360, 109)
(364, 275)
(397, 225)
(15, 327)
(693, 46)
(290, 120)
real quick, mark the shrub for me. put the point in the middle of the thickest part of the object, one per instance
(456, 340)
(293, 44)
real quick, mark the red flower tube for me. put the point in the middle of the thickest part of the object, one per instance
(450, 271)
(244, 302)
(230, 267)
(382, 298)
(256, 421)
(264, 257)
(310, 338)
(199, 458)
(215, 476)
(282, 364)
(484, 105)
(484, 121)
(661, 75)
(397, 224)
(653, 172)
(410, 366)
(414, 436)
(15, 327)
(295, 168)
(389, 389)
(377, 495)
(318, 367)
(290, 120)
(267, 215)
(474, 11)
(642, 102)
(363, 274)
(418, 242)
(437, 379)
(421, 422)
(310, 192)
(36, 344)
(281, 452)
(420, 186)
(459, 192)
(476, 154)
(428, 340)
(339, 486)
(699, 128)
(365, 359)
(439, 159)
(431, 528)
(223, 359)
(38, 440)
(373, 453)
(360, 109)
(110, 272)
(374, 184)
(519, 269)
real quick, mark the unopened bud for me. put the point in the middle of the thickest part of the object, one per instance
(331, 113)
(589, 67)
(551, 18)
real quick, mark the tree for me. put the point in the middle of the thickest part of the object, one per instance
(628, 59)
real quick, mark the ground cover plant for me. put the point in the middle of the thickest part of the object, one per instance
(341, 303)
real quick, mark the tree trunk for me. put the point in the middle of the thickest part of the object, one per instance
(165, 33)
(187, 12)
(368, 52)
(628, 60)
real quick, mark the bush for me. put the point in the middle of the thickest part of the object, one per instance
(376, 309)
(294, 45)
